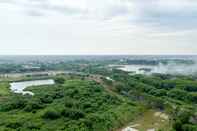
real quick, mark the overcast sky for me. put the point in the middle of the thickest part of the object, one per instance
(98, 27)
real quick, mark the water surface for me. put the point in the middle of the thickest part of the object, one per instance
(18, 87)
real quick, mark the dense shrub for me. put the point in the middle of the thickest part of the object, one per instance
(71, 103)
(193, 97)
(58, 94)
(177, 125)
(13, 124)
(15, 102)
(59, 80)
(192, 88)
(182, 121)
(32, 126)
(72, 92)
(189, 127)
(51, 114)
(178, 94)
(73, 113)
(120, 87)
(168, 85)
(46, 99)
(34, 105)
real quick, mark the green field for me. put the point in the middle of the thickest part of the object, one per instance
(4, 88)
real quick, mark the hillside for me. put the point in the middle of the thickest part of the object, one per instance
(75, 105)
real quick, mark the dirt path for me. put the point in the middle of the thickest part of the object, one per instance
(151, 120)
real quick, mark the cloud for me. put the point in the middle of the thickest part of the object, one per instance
(171, 14)
(98, 26)
(44, 7)
(87, 8)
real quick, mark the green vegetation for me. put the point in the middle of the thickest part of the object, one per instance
(4, 89)
(83, 99)
(59, 80)
(78, 102)
(175, 95)
(150, 120)
(75, 105)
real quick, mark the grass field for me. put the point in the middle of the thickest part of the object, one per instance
(4, 88)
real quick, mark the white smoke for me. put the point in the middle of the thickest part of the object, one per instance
(169, 68)
(174, 68)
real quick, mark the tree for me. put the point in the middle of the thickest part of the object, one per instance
(59, 80)
(51, 114)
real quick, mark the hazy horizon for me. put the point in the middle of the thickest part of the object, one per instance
(98, 27)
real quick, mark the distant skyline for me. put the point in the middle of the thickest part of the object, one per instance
(98, 27)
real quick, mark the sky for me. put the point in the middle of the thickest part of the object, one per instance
(57, 27)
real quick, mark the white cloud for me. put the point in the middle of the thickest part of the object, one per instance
(96, 27)
(87, 8)
(175, 5)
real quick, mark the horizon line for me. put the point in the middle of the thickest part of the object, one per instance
(173, 54)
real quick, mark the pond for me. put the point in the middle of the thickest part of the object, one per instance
(18, 87)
